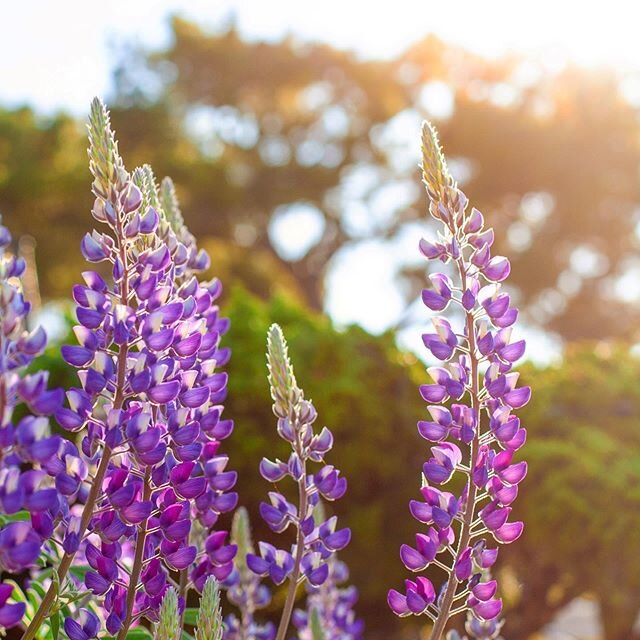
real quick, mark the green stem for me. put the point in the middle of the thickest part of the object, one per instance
(293, 580)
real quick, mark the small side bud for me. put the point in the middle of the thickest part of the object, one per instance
(169, 627)
(210, 614)
(286, 395)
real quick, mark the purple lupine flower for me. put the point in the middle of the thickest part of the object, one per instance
(26, 446)
(315, 543)
(149, 401)
(10, 613)
(332, 605)
(203, 447)
(85, 628)
(245, 588)
(478, 435)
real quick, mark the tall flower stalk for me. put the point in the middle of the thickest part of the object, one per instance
(307, 558)
(149, 401)
(476, 435)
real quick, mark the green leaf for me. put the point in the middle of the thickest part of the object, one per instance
(14, 517)
(315, 623)
(54, 622)
(79, 571)
(190, 616)
(187, 636)
(139, 633)
(17, 594)
(38, 588)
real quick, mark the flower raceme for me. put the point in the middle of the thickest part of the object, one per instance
(31, 483)
(306, 559)
(473, 430)
(148, 407)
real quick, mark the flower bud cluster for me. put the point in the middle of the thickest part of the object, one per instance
(473, 430)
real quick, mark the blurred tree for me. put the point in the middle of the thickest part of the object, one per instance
(44, 180)
(302, 151)
(550, 156)
(581, 499)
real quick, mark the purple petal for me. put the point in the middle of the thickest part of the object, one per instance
(488, 610)
(194, 398)
(182, 558)
(164, 392)
(412, 559)
(509, 532)
(11, 614)
(397, 603)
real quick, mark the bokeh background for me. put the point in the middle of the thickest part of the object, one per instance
(291, 131)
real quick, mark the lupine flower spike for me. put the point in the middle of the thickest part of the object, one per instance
(210, 625)
(148, 403)
(245, 589)
(27, 480)
(307, 558)
(476, 435)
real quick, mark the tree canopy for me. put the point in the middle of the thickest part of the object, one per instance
(257, 133)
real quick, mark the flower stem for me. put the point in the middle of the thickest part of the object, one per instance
(293, 579)
(65, 563)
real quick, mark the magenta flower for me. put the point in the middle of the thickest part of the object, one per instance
(478, 435)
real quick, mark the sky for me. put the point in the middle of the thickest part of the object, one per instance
(58, 55)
